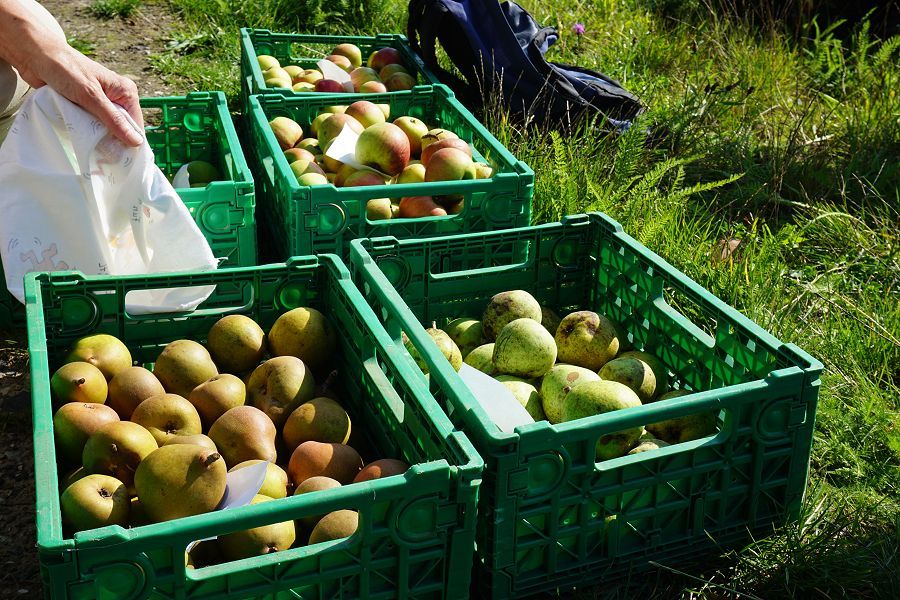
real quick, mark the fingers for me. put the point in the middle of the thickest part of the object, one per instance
(98, 104)
(124, 92)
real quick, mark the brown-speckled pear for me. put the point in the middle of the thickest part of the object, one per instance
(305, 333)
(257, 541)
(320, 420)
(130, 387)
(182, 366)
(244, 433)
(280, 385)
(167, 415)
(180, 480)
(197, 438)
(334, 526)
(384, 467)
(337, 461)
(236, 342)
(276, 483)
(79, 382)
(117, 449)
(74, 423)
(216, 395)
(106, 352)
(315, 484)
(95, 501)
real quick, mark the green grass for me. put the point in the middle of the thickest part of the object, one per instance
(110, 9)
(783, 147)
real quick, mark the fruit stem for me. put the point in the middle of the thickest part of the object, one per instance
(210, 459)
(79, 381)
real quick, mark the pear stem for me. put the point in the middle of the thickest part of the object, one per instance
(210, 459)
(79, 381)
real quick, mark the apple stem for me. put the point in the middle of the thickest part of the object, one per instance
(209, 460)
(79, 381)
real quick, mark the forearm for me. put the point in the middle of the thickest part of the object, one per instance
(24, 35)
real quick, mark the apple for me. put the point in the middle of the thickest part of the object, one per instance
(310, 143)
(287, 131)
(391, 69)
(294, 154)
(384, 57)
(279, 82)
(361, 75)
(329, 86)
(332, 165)
(338, 108)
(386, 109)
(372, 87)
(303, 86)
(420, 206)
(267, 62)
(309, 76)
(435, 135)
(449, 164)
(294, 71)
(413, 173)
(457, 143)
(350, 51)
(317, 122)
(483, 171)
(378, 209)
(341, 61)
(342, 174)
(364, 178)
(399, 82)
(414, 129)
(331, 127)
(366, 113)
(310, 179)
(384, 147)
(301, 167)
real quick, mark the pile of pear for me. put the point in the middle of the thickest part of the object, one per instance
(384, 71)
(146, 446)
(404, 150)
(566, 369)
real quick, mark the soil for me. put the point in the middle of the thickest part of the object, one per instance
(125, 46)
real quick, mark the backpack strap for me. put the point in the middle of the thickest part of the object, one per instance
(426, 20)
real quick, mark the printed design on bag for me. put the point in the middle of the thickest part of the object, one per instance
(47, 254)
(109, 150)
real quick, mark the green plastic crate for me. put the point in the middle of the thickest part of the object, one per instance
(306, 50)
(416, 532)
(181, 129)
(550, 518)
(318, 219)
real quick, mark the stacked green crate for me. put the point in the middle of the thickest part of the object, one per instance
(550, 516)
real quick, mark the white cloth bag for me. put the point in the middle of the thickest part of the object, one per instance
(73, 197)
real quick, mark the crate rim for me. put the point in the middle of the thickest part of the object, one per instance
(258, 118)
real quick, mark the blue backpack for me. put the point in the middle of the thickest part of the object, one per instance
(499, 49)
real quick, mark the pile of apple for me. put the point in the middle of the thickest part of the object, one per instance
(146, 447)
(384, 72)
(403, 151)
(566, 369)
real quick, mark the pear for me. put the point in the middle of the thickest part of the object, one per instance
(264, 539)
(334, 526)
(95, 501)
(71, 477)
(315, 484)
(74, 423)
(244, 433)
(193, 438)
(216, 395)
(79, 382)
(130, 387)
(106, 352)
(167, 415)
(182, 366)
(506, 307)
(586, 339)
(466, 334)
(180, 480)
(305, 333)
(280, 385)
(117, 449)
(320, 419)
(384, 467)
(276, 482)
(337, 461)
(237, 343)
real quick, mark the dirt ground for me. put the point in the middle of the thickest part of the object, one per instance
(124, 45)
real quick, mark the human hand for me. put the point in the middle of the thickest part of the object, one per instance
(89, 85)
